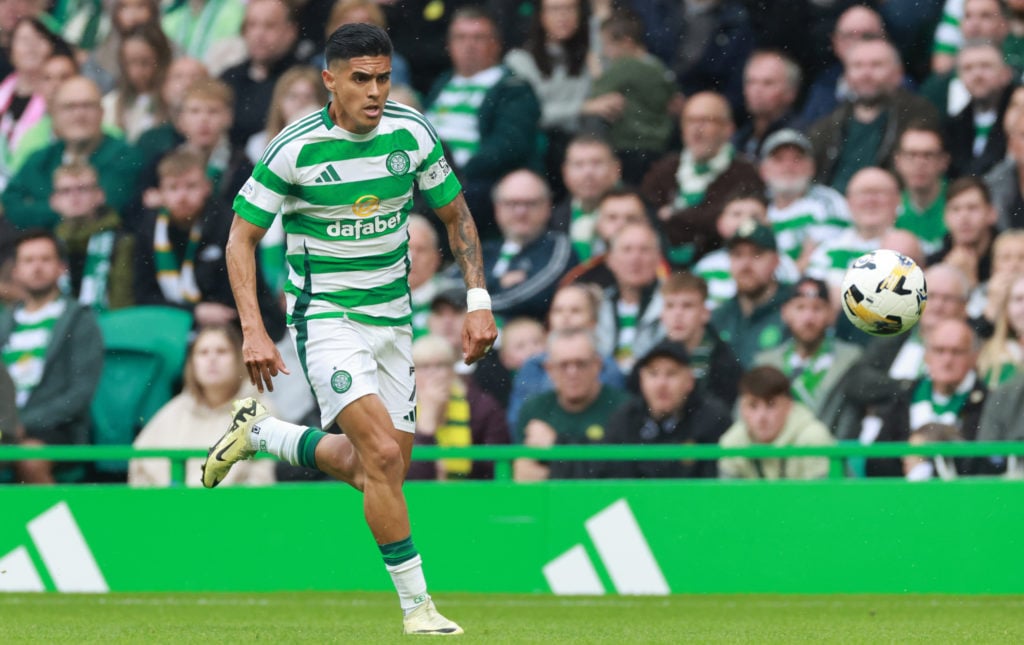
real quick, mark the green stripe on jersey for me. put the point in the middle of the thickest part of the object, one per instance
(350, 192)
(399, 111)
(289, 134)
(270, 179)
(350, 298)
(252, 214)
(797, 222)
(842, 258)
(319, 264)
(319, 152)
(377, 321)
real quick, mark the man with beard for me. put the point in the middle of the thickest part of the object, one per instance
(864, 130)
(802, 214)
(813, 361)
(977, 140)
(53, 351)
(752, 321)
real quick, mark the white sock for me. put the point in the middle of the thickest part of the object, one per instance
(277, 437)
(410, 583)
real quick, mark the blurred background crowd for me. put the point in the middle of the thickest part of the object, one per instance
(668, 193)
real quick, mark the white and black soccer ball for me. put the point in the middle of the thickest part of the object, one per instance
(884, 293)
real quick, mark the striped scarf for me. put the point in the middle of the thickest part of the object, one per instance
(806, 374)
(456, 432)
(694, 177)
(178, 283)
(96, 273)
(928, 407)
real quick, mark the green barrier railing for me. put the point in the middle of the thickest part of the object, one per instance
(503, 456)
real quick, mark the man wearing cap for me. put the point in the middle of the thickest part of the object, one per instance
(813, 361)
(802, 213)
(769, 415)
(752, 321)
(672, 408)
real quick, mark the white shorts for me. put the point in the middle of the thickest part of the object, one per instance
(346, 360)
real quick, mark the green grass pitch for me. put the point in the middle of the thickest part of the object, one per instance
(373, 618)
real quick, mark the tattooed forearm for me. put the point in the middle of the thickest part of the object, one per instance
(464, 242)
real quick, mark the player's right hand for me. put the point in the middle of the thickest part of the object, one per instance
(262, 360)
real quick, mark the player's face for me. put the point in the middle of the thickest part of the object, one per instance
(684, 316)
(359, 87)
(214, 361)
(665, 384)
(765, 418)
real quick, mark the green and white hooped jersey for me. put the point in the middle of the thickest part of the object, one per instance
(820, 215)
(831, 259)
(344, 199)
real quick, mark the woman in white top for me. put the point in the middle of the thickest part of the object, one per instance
(137, 103)
(214, 377)
(554, 62)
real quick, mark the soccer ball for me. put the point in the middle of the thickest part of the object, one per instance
(884, 293)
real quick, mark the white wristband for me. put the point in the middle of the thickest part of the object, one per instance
(478, 299)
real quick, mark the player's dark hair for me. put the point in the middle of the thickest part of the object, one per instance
(355, 40)
(764, 382)
(964, 184)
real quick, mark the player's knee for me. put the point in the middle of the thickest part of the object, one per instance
(384, 459)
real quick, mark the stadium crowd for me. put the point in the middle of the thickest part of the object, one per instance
(668, 195)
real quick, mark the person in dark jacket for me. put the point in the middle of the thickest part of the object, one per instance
(671, 409)
(53, 351)
(524, 267)
(950, 392)
(487, 117)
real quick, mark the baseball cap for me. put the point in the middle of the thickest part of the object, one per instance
(785, 137)
(666, 349)
(808, 287)
(755, 233)
(454, 298)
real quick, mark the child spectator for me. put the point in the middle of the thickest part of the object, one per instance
(632, 95)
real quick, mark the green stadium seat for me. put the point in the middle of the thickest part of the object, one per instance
(143, 359)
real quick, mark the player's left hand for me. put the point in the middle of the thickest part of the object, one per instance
(478, 335)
